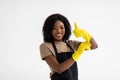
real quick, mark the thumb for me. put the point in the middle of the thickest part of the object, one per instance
(75, 25)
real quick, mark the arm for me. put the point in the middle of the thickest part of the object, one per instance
(93, 43)
(78, 32)
(46, 54)
(59, 68)
(89, 43)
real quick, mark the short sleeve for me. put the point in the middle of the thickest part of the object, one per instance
(44, 51)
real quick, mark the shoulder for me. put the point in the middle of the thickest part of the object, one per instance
(46, 49)
(45, 44)
(73, 43)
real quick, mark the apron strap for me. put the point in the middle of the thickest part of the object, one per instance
(69, 46)
(54, 47)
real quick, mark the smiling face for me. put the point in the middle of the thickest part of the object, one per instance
(58, 31)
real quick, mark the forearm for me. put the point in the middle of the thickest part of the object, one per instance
(59, 67)
(78, 32)
(65, 65)
(93, 43)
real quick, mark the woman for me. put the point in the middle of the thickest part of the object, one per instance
(60, 53)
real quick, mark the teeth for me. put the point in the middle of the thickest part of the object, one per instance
(58, 34)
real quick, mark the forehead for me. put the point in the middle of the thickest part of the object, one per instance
(58, 22)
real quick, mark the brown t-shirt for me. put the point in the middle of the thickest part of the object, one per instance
(47, 49)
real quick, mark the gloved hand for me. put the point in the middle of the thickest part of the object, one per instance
(80, 50)
(78, 32)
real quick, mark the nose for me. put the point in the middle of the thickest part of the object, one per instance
(58, 29)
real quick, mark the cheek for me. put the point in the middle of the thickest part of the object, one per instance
(53, 32)
(64, 31)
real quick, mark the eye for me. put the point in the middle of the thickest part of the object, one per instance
(62, 27)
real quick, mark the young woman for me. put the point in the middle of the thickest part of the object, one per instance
(60, 53)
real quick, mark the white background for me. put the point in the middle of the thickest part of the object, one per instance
(21, 22)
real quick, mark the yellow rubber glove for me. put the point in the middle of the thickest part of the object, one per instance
(80, 50)
(78, 32)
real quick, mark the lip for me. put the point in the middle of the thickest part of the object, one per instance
(59, 34)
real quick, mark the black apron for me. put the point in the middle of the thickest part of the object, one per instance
(69, 74)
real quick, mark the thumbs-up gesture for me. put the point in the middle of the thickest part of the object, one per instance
(78, 32)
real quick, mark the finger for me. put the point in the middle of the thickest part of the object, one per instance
(75, 25)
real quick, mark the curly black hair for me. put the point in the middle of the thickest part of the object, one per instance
(49, 24)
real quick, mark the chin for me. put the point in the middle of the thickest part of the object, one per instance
(58, 39)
